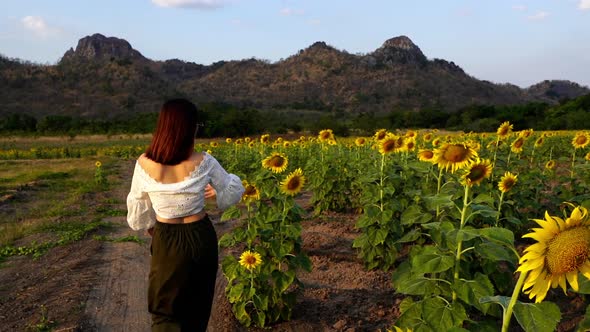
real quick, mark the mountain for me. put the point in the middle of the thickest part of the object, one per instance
(107, 77)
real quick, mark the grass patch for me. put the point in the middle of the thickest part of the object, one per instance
(108, 211)
(67, 233)
(130, 238)
(44, 324)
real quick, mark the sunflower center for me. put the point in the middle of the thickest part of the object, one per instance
(456, 153)
(277, 161)
(477, 173)
(519, 143)
(581, 140)
(388, 145)
(250, 190)
(250, 259)
(568, 250)
(293, 183)
(508, 183)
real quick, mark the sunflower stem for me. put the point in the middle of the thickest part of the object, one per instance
(460, 239)
(440, 173)
(573, 162)
(515, 292)
(381, 183)
(494, 162)
(499, 208)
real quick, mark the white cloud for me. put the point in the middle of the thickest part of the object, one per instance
(584, 4)
(519, 8)
(539, 16)
(291, 12)
(197, 4)
(38, 26)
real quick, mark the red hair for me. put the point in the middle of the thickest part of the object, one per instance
(174, 138)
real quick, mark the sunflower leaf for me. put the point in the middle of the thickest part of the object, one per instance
(441, 315)
(483, 198)
(499, 235)
(501, 300)
(470, 291)
(441, 201)
(537, 317)
(583, 285)
(414, 215)
(432, 262)
(494, 251)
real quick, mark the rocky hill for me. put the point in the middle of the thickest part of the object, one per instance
(106, 77)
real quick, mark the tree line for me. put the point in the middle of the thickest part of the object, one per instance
(224, 120)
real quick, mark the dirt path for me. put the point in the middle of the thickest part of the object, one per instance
(119, 301)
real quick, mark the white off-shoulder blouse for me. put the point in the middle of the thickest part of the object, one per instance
(148, 197)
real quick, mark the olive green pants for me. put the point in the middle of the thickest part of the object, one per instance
(182, 275)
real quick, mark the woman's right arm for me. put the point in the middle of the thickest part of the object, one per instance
(140, 214)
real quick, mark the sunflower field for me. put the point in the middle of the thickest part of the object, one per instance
(475, 228)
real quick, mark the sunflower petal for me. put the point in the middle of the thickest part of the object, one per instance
(572, 278)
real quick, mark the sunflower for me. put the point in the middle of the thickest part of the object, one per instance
(550, 164)
(581, 140)
(539, 141)
(286, 144)
(250, 260)
(411, 134)
(279, 140)
(507, 182)
(380, 134)
(326, 135)
(228, 140)
(293, 183)
(561, 252)
(426, 155)
(251, 193)
(436, 142)
(264, 138)
(251, 144)
(427, 137)
(517, 145)
(409, 145)
(276, 162)
(525, 133)
(332, 142)
(587, 157)
(390, 143)
(239, 141)
(360, 141)
(247, 139)
(214, 144)
(475, 145)
(504, 130)
(98, 164)
(476, 171)
(454, 156)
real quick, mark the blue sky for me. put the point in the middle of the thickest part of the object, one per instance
(503, 41)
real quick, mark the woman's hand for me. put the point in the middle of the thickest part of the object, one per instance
(210, 192)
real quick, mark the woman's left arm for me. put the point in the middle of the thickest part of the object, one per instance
(228, 187)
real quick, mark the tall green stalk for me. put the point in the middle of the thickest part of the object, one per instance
(508, 310)
(499, 208)
(460, 239)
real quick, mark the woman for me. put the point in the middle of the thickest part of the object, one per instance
(167, 197)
